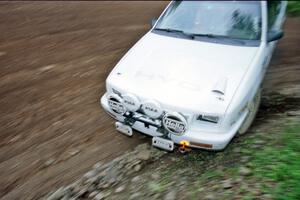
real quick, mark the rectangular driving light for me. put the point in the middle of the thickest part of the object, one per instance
(209, 118)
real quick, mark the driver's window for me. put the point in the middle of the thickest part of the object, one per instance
(273, 12)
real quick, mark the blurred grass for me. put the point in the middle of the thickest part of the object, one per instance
(293, 8)
(274, 169)
(280, 163)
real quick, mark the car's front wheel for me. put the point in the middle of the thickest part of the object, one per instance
(252, 109)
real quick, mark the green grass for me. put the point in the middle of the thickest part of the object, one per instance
(280, 163)
(293, 8)
(211, 175)
(157, 187)
(248, 197)
(275, 166)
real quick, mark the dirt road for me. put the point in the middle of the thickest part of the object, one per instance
(54, 59)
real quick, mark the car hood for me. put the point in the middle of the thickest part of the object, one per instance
(182, 74)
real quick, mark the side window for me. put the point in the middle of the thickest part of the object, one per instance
(273, 12)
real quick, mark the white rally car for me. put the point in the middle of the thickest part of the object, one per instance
(194, 79)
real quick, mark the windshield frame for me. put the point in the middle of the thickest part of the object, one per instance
(243, 42)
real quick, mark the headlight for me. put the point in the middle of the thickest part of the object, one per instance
(175, 123)
(209, 118)
(152, 109)
(116, 104)
(131, 102)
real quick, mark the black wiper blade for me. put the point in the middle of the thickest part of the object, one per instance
(193, 35)
(202, 35)
(176, 31)
(168, 30)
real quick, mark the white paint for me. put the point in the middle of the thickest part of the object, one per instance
(180, 74)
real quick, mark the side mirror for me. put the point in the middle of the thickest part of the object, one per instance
(274, 35)
(153, 21)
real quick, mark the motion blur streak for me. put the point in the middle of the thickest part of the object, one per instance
(54, 59)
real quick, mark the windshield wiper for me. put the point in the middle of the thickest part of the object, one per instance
(176, 31)
(205, 35)
(168, 30)
(193, 35)
(208, 35)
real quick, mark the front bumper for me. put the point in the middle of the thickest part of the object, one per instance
(203, 140)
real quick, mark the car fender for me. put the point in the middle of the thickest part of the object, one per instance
(247, 89)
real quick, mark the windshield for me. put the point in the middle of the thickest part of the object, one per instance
(236, 19)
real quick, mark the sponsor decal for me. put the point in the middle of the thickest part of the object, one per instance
(168, 80)
(151, 109)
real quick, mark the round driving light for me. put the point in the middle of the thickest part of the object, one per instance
(116, 104)
(131, 102)
(152, 109)
(175, 123)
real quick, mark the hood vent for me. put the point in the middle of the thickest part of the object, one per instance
(220, 86)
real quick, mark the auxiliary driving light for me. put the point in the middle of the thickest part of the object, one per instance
(175, 123)
(131, 102)
(116, 104)
(152, 109)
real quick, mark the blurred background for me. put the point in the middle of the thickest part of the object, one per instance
(54, 58)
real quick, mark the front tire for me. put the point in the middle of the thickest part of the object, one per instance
(252, 109)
